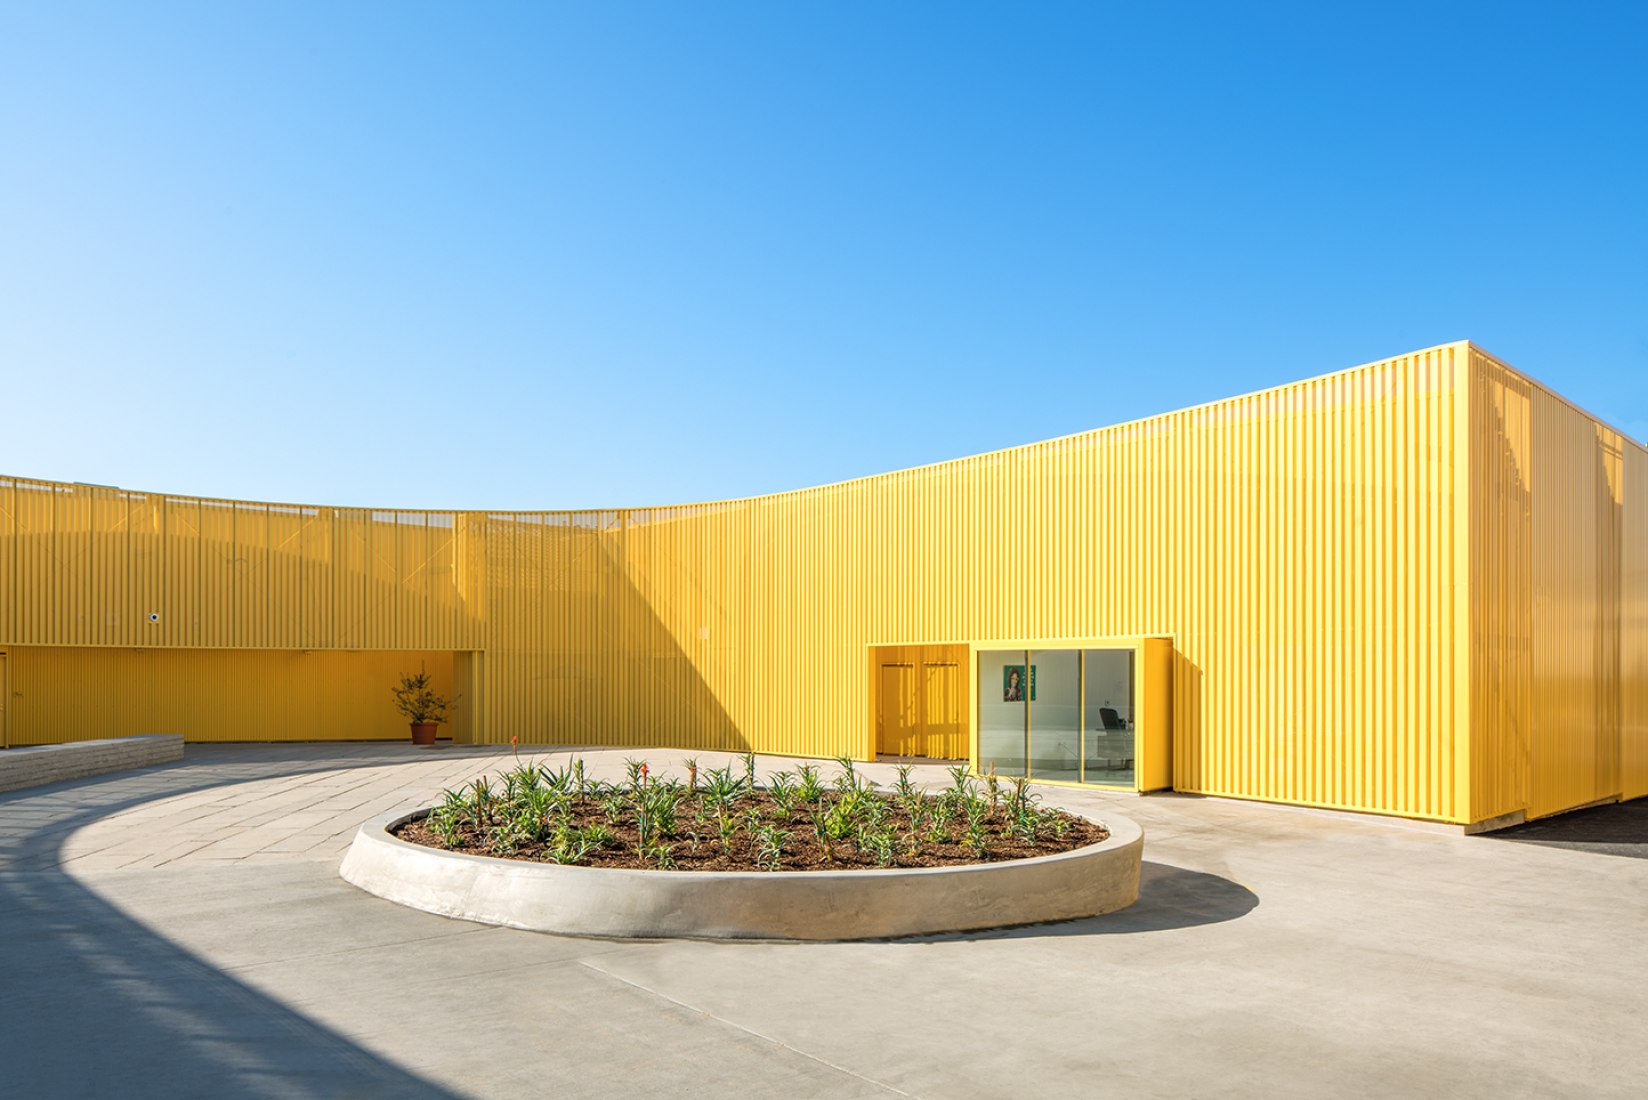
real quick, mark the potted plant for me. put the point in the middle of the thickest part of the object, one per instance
(416, 698)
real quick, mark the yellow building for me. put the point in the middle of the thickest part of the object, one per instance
(1418, 587)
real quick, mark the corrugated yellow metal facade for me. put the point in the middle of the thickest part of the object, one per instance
(66, 693)
(1633, 632)
(1338, 563)
(1559, 603)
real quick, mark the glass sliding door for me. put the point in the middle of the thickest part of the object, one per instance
(1055, 714)
(1004, 711)
(1109, 744)
(1059, 714)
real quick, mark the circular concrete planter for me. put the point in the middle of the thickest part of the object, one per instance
(792, 905)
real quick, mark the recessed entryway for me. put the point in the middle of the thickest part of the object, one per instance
(919, 697)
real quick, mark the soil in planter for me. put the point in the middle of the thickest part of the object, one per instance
(696, 843)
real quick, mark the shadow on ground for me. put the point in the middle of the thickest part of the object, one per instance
(1620, 829)
(1169, 897)
(98, 1005)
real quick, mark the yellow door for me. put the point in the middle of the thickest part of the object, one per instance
(897, 722)
(5, 697)
(943, 734)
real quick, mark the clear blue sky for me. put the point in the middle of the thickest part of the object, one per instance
(561, 255)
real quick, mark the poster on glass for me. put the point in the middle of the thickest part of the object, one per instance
(1015, 686)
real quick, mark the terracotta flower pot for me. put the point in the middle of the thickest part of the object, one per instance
(423, 733)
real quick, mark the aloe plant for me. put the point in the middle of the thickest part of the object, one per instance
(782, 790)
(721, 787)
(809, 785)
(769, 846)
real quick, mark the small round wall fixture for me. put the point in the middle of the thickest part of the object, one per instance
(786, 905)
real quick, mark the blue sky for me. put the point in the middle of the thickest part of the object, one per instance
(564, 255)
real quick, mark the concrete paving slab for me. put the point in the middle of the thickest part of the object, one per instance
(1274, 952)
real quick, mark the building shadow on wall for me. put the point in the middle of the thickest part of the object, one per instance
(98, 1005)
(648, 690)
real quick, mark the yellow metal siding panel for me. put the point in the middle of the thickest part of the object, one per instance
(79, 694)
(9, 594)
(1553, 644)
(1633, 657)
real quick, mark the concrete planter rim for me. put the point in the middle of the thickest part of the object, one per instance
(625, 903)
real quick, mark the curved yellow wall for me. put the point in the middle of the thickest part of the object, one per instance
(1310, 550)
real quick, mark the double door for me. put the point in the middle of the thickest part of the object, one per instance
(921, 700)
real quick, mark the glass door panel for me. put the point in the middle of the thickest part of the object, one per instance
(1055, 714)
(1108, 736)
(1003, 722)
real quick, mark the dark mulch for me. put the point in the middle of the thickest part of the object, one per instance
(697, 845)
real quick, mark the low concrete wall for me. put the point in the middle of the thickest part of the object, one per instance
(37, 765)
(784, 905)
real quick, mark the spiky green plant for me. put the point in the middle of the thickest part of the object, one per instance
(903, 787)
(721, 788)
(809, 785)
(880, 843)
(782, 790)
(769, 846)
(976, 836)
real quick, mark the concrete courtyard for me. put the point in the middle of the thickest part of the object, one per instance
(181, 931)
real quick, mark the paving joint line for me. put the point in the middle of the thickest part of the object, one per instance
(746, 1030)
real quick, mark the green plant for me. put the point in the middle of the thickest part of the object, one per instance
(614, 806)
(749, 770)
(940, 815)
(520, 779)
(839, 822)
(726, 826)
(569, 845)
(480, 803)
(721, 788)
(655, 810)
(879, 843)
(782, 790)
(810, 786)
(1023, 818)
(769, 846)
(975, 836)
(903, 787)
(417, 699)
